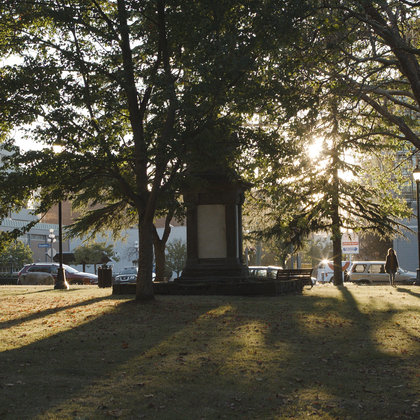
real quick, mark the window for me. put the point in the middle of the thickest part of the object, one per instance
(376, 268)
(261, 273)
(40, 269)
(359, 268)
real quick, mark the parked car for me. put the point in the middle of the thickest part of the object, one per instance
(37, 278)
(264, 271)
(325, 270)
(373, 272)
(126, 275)
(73, 276)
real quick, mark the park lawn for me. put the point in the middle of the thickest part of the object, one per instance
(332, 353)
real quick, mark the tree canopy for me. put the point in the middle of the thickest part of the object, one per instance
(135, 93)
(176, 255)
(365, 113)
(374, 46)
(94, 253)
(15, 255)
(142, 96)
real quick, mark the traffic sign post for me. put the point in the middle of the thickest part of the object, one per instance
(52, 253)
(350, 243)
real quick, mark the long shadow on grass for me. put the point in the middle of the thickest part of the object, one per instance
(61, 375)
(262, 358)
(50, 289)
(215, 357)
(367, 375)
(50, 311)
(408, 291)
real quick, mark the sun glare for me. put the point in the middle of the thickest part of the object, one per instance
(315, 148)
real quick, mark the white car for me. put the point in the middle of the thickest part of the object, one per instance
(373, 272)
(264, 271)
(325, 270)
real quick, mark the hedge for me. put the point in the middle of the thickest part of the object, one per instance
(8, 278)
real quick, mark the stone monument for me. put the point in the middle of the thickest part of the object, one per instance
(214, 229)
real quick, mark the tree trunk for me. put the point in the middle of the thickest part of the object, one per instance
(335, 214)
(144, 288)
(160, 245)
(336, 232)
(160, 259)
(338, 272)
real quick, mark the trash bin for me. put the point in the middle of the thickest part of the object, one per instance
(104, 276)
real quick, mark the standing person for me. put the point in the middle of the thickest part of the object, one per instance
(391, 265)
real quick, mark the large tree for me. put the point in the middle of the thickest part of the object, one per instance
(367, 52)
(134, 92)
(332, 193)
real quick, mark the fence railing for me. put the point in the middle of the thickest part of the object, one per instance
(9, 268)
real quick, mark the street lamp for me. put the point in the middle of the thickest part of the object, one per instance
(51, 238)
(416, 176)
(61, 282)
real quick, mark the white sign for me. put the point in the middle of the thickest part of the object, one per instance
(51, 251)
(350, 243)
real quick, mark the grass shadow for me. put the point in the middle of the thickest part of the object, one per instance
(409, 291)
(316, 355)
(61, 369)
(46, 312)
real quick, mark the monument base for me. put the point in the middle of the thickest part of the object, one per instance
(223, 286)
(214, 270)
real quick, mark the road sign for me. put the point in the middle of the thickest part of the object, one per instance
(53, 252)
(44, 245)
(350, 243)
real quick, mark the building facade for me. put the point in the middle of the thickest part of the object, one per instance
(407, 247)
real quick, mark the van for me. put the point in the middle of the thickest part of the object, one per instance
(373, 272)
(325, 271)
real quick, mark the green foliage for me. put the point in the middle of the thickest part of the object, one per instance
(137, 93)
(142, 95)
(366, 112)
(366, 51)
(176, 255)
(94, 253)
(14, 255)
(315, 249)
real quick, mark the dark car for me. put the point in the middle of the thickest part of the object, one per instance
(126, 275)
(73, 276)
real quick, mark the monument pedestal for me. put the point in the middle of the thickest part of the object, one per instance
(214, 230)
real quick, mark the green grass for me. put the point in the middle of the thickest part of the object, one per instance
(331, 353)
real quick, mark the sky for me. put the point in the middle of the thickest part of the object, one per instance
(28, 145)
(25, 144)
